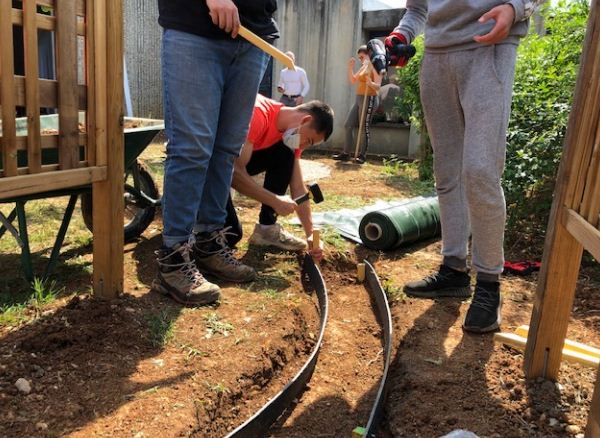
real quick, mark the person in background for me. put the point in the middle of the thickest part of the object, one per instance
(210, 79)
(293, 85)
(369, 82)
(277, 137)
(466, 82)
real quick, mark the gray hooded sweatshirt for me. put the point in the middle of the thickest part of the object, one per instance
(450, 25)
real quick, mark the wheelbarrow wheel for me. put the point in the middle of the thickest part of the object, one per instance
(139, 214)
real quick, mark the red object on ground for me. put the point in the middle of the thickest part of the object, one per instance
(521, 268)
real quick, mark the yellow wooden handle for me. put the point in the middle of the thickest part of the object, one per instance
(266, 47)
(316, 239)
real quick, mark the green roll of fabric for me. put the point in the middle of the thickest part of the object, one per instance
(416, 220)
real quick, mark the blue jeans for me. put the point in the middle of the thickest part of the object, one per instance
(209, 89)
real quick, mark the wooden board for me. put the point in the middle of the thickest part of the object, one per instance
(32, 91)
(108, 195)
(7, 90)
(43, 182)
(66, 43)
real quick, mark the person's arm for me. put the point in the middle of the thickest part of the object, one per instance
(352, 77)
(304, 212)
(224, 14)
(281, 85)
(245, 184)
(525, 8)
(374, 84)
(305, 84)
(413, 21)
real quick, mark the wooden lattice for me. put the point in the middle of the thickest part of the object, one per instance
(88, 97)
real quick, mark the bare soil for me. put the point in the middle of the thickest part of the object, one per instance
(142, 366)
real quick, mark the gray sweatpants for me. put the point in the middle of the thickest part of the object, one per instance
(466, 98)
(353, 120)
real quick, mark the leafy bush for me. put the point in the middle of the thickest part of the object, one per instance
(545, 78)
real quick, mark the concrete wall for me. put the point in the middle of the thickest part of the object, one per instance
(142, 56)
(323, 34)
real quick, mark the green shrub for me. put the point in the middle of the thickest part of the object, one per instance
(545, 78)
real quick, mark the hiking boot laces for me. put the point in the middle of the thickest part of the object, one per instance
(188, 268)
(226, 252)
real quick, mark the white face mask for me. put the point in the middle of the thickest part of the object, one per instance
(291, 138)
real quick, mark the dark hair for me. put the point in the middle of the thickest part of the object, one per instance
(322, 116)
(363, 49)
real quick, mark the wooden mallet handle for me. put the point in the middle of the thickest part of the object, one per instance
(316, 239)
(266, 47)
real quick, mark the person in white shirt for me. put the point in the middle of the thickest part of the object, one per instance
(293, 85)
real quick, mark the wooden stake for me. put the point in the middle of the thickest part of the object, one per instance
(363, 114)
(360, 272)
(266, 47)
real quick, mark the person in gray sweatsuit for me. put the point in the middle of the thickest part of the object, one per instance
(466, 83)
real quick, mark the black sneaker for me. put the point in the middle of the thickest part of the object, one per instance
(361, 159)
(447, 282)
(484, 314)
(342, 156)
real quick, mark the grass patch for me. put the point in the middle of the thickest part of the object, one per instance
(214, 326)
(395, 171)
(191, 352)
(44, 292)
(13, 315)
(161, 327)
(333, 239)
(337, 202)
(393, 292)
(16, 310)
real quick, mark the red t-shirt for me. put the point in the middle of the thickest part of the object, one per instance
(263, 131)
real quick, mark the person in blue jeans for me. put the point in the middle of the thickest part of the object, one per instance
(210, 79)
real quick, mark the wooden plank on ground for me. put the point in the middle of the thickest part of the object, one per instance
(7, 91)
(66, 43)
(108, 195)
(32, 92)
(42, 182)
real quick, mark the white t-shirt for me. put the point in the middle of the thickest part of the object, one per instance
(294, 83)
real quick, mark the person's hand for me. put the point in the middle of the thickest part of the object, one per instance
(299, 100)
(224, 14)
(284, 206)
(351, 62)
(315, 253)
(504, 16)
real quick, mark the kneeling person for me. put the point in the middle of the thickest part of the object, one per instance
(277, 137)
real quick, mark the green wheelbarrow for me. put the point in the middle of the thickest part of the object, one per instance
(141, 194)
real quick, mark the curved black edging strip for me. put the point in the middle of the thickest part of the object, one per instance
(384, 316)
(259, 424)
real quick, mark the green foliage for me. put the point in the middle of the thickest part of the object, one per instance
(545, 77)
(161, 327)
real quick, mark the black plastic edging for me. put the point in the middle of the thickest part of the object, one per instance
(384, 316)
(259, 424)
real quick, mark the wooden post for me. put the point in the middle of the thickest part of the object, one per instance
(108, 194)
(593, 425)
(563, 251)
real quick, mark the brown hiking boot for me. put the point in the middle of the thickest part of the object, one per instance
(179, 277)
(214, 257)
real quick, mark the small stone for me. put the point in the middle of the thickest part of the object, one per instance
(548, 386)
(430, 325)
(559, 387)
(580, 435)
(129, 309)
(23, 385)
(573, 429)
(41, 426)
(37, 371)
(552, 422)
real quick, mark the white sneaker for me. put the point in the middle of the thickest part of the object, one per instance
(275, 235)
